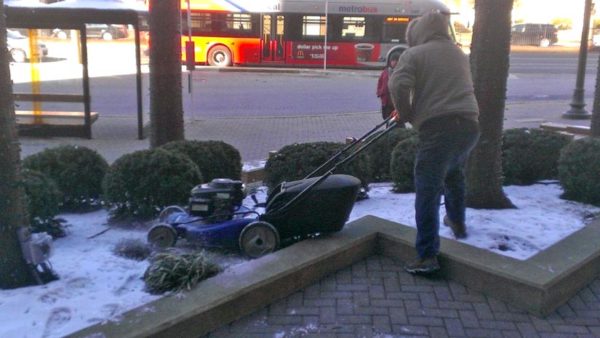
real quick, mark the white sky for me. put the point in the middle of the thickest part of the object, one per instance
(534, 11)
(97, 286)
(546, 10)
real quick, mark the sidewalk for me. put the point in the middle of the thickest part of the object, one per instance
(254, 137)
(376, 298)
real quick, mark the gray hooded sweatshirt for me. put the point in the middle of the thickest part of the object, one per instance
(435, 72)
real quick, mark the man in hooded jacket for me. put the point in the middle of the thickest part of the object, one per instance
(431, 87)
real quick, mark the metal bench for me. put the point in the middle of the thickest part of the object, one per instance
(55, 118)
(566, 128)
(66, 122)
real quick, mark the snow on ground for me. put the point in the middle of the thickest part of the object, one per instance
(94, 285)
(97, 286)
(542, 218)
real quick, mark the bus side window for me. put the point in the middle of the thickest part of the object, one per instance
(373, 29)
(353, 28)
(394, 29)
(255, 24)
(239, 24)
(313, 27)
(293, 26)
(334, 31)
(218, 23)
(201, 23)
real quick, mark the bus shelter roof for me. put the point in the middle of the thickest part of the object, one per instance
(67, 17)
(48, 17)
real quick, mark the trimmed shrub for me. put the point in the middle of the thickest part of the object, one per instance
(402, 165)
(135, 249)
(140, 184)
(380, 152)
(530, 155)
(579, 170)
(77, 170)
(43, 201)
(169, 272)
(294, 162)
(215, 159)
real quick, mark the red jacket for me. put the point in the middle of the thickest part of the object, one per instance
(382, 88)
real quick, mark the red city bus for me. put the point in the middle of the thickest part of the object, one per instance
(306, 33)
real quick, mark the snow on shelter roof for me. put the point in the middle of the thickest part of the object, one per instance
(50, 17)
(23, 3)
(99, 4)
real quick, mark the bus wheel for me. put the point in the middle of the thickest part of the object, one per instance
(219, 56)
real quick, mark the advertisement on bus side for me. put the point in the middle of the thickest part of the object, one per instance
(340, 53)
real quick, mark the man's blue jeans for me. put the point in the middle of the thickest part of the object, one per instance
(444, 146)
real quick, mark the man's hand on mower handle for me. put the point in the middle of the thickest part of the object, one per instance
(394, 116)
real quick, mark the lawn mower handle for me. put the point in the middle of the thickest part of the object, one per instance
(363, 147)
(303, 193)
(386, 122)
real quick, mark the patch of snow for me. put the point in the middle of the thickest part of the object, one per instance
(540, 220)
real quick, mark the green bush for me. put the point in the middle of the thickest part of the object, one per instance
(402, 165)
(216, 159)
(579, 170)
(294, 162)
(530, 155)
(135, 249)
(77, 170)
(380, 152)
(140, 184)
(169, 272)
(43, 200)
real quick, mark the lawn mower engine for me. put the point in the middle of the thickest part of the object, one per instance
(217, 200)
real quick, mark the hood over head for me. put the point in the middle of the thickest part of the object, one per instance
(433, 25)
(393, 57)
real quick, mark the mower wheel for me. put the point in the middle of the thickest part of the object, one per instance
(162, 236)
(168, 211)
(258, 239)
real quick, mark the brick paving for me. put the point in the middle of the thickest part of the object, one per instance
(376, 298)
(254, 136)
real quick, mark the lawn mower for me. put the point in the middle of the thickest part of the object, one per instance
(217, 217)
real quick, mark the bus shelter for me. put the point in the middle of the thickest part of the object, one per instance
(76, 19)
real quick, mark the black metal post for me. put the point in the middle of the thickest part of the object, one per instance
(577, 110)
(138, 80)
(86, 82)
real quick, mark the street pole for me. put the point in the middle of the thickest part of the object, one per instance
(190, 66)
(577, 110)
(326, 24)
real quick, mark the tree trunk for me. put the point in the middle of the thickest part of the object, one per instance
(595, 124)
(166, 107)
(14, 271)
(490, 51)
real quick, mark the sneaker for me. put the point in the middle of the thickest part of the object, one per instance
(459, 229)
(423, 265)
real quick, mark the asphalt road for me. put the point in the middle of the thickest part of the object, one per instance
(535, 74)
(549, 75)
(258, 110)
